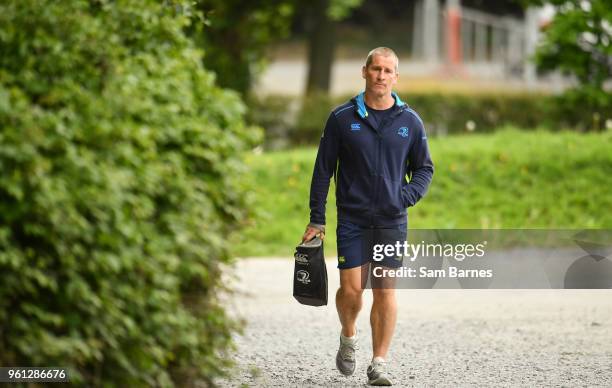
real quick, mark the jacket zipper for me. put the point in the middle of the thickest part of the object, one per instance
(379, 136)
(378, 131)
(375, 186)
(378, 168)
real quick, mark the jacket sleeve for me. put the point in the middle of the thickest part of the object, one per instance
(420, 167)
(324, 169)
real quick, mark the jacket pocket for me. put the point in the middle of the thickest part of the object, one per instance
(357, 195)
(390, 201)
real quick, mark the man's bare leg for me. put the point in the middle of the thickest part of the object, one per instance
(348, 304)
(382, 319)
(349, 299)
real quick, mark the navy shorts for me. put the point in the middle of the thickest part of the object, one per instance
(356, 244)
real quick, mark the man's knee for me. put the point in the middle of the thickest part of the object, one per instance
(383, 294)
(349, 292)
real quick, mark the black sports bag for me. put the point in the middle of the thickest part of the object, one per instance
(310, 273)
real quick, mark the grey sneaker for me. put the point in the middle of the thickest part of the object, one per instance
(345, 358)
(377, 373)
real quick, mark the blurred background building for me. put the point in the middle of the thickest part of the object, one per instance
(486, 44)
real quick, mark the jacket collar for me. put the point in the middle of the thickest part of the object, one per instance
(361, 107)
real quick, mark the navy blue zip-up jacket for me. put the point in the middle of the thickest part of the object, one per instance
(371, 165)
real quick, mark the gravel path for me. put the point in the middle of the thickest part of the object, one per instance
(443, 338)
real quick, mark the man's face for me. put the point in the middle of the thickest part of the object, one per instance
(380, 75)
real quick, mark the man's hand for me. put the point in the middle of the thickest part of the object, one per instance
(311, 232)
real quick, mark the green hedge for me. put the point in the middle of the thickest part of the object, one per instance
(293, 121)
(119, 184)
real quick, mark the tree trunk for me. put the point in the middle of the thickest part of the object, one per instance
(322, 41)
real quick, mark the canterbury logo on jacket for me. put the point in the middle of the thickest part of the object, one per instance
(371, 165)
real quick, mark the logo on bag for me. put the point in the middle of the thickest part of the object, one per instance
(302, 276)
(403, 131)
(301, 258)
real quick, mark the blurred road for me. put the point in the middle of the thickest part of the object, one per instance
(444, 338)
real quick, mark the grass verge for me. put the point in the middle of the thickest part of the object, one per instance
(509, 179)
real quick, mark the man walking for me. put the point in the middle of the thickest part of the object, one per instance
(370, 145)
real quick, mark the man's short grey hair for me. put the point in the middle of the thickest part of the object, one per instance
(385, 52)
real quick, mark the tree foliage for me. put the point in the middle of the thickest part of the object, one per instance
(119, 184)
(340, 9)
(236, 34)
(578, 41)
(322, 18)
